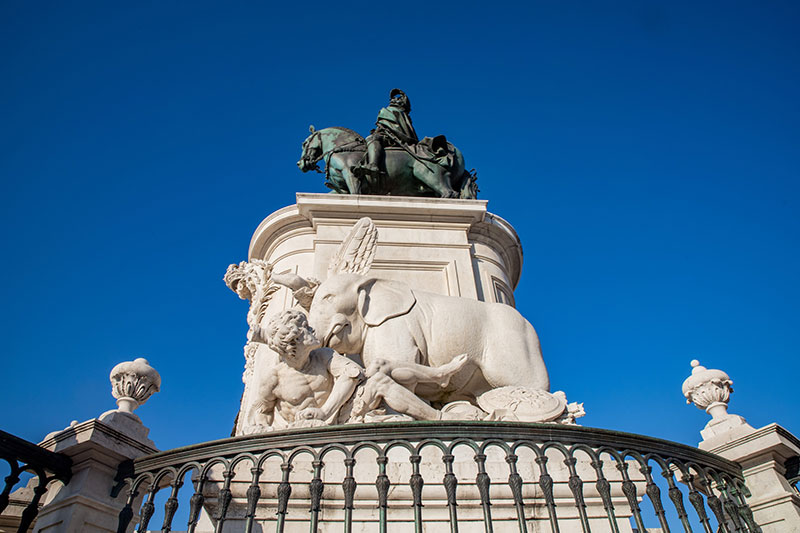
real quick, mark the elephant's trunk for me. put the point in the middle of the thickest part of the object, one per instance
(337, 323)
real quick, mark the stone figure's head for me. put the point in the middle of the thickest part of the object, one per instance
(239, 278)
(399, 99)
(290, 336)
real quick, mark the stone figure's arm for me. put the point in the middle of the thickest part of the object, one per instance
(302, 289)
(410, 375)
(394, 382)
(347, 375)
(291, 280)
(264, 407)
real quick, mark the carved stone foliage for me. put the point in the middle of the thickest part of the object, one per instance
(133, 382)
(710, 390)
(707, 388)
(252, 281)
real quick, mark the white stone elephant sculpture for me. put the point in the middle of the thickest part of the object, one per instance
(376, 318)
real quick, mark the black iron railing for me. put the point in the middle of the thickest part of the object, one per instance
(23, 456)
(501, 476)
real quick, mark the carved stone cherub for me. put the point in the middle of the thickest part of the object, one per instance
(311, 385)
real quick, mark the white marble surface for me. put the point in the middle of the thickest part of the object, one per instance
(439, 284)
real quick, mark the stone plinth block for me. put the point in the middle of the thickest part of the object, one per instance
(763, 454)
(96, 449)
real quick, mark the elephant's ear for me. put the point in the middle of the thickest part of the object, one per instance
(379, 300)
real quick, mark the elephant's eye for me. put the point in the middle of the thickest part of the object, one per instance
(327, 298)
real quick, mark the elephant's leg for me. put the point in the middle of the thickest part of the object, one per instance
(521, 365)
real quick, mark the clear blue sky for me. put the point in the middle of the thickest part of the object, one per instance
(647, 153)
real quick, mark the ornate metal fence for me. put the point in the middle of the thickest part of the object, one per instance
(23, 456)
(477, 476)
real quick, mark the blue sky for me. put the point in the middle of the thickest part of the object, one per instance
(646, 153)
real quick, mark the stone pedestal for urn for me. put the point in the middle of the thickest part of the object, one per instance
(97, 447)
(765, 454)
(450, 247)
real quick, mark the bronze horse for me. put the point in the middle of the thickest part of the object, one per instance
(413, 171)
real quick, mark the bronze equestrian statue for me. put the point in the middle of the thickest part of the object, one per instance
(391, 161)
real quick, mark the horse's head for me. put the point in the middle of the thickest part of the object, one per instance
(312, 151)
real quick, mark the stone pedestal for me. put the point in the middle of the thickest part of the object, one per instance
(763, 454)
(450, 247)
(96, 447)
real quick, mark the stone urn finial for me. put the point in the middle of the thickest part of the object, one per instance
(133, 382)
(708, 389)
(711, 390)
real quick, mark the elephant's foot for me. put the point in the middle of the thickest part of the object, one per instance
(445, 372)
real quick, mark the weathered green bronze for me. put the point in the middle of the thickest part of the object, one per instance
(391, 160)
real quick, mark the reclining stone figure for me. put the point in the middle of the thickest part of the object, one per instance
(312, 385)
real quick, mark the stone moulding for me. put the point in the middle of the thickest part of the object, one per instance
(483, 226)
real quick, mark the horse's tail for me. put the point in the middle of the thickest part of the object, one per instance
(466, 181)
(469, 185)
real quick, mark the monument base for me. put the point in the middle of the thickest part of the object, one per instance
(448, 247)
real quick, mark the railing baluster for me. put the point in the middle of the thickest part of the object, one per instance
(253, 495)
(575, 484)
(730, 507)
(284, 491)
(654, 493)
(546, 484)
(515, 482)
(382, 484)
(483, 482)
(604, 488)
(676, 496)
(450, 486)
(696, 499)
(349, 487)
(224, 499)
(11, 479)
(629, 490)
(196, 504)
(148, 508)
(416, 482)
(315, 491)
(171, 505)
(32, 509)
(126, 514)
(715, 505)
(744, 510)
